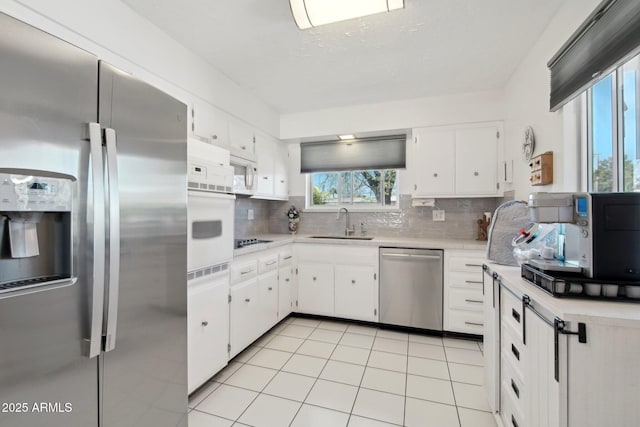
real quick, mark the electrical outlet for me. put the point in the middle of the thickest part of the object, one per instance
(250, 215)
(438, 215)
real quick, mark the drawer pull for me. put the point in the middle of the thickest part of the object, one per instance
(205, 323)
(353, 282)
(287, 279)
(247, 300)
(515, 351)
(515, 315)
(288, 257)
(474, 281)
(473, 323)
(271, 262)
(314, 278)
(477, 301)
(513, 422)
(515, 388)
(270, 288)
(473, 265)
(246, 271)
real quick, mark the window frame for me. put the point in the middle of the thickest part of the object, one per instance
(618, 125)
(367, 207)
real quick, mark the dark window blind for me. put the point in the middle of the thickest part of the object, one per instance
(609, 36)
(387, 152)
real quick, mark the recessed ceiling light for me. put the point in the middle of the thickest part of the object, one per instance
(345, 137)
(311, 13)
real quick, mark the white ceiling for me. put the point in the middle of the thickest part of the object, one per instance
(430, 48)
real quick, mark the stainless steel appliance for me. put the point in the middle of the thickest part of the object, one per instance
(411, 287)
(245, 168)
(93, 241)
(602, 232)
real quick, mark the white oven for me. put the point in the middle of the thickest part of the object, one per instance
(210, 211)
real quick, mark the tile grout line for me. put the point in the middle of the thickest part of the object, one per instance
(317, 378)
(453, 391)
(406, 385)
(362, 379)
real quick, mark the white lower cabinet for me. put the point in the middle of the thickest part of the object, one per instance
(315, 288)
(340, 281)
(354, 292)
(558, 368)
(208, 327)
(244, 315)
(285, 291)
(462, 293)
(267, 301)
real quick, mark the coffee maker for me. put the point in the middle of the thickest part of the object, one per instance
(602, 233)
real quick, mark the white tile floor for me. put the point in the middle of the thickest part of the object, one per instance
(308, 373)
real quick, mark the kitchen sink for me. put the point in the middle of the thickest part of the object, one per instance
(343, 237)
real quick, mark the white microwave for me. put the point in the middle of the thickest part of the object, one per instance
(244, 173)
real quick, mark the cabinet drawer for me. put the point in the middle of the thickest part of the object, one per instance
(286, 257)
(243, 270)
(511, 312)
(466, 264)
(468, 322)
(513, 350)
(267, 263)
(513, 386)
(465, 280)
(511, 416)
(466, 299)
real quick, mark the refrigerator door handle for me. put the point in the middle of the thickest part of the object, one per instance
(92, 346)
(114, 239)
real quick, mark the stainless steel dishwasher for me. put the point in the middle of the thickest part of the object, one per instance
(411, 287)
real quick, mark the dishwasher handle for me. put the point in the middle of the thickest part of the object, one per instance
(411, 256)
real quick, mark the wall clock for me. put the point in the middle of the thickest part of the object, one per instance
(528, 143)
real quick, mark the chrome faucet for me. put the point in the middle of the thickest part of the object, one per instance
(347, 230)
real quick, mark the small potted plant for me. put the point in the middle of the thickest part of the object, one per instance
(293, 214)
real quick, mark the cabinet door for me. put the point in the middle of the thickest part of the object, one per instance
(315, 288)
(241, 136)
(244, 312)
(285, 291)
(209, 123)
(491, 346)
(355, 292)
(265, 152)
(268, 301)
(476, 160)
(435, 161)
(542, 389)
(281, 183)
(208, 331)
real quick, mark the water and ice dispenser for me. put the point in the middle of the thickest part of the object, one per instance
(35, 230)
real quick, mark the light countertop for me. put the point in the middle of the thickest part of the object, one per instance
(566, 308)
(401, 242)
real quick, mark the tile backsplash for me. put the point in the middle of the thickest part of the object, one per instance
(244, 227)
(460, 219)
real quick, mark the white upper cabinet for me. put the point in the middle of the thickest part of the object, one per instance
(476, 161)
(209, 123)
(241, 136)
(433, 162)
(272, 168)
(455, 161)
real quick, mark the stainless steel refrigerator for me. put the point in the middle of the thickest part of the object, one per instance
(92, 241)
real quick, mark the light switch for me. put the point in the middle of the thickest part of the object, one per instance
(438, 215)
(250, 215)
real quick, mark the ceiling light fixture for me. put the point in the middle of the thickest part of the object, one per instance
(346, 137)
(311, 13)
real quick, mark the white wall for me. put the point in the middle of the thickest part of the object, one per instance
(117, 34)
(407, 114)
(527, 104)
